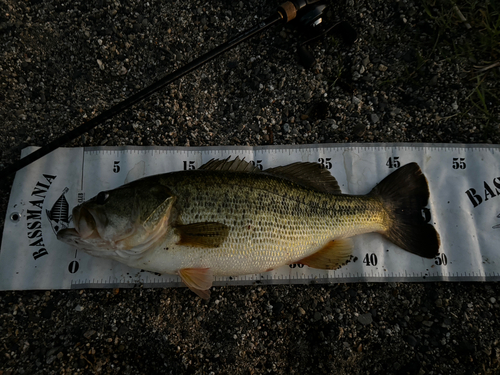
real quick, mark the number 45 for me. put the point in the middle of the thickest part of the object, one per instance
(393, 162)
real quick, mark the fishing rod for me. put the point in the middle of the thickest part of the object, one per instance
(285, 13)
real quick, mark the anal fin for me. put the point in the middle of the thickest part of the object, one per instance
(331, 256)
(199, 280)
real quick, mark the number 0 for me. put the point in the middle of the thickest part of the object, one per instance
(73, 266)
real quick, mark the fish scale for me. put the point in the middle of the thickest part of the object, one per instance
(272, 221)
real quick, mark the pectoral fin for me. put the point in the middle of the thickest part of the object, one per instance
(331, 256)
(202, 234)
(199, 280)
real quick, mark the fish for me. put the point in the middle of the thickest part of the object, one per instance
(229, 218)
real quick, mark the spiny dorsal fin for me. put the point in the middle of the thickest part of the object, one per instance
(236, 165)
(308, 174)
(303, 173)
(202, 234)
(331, 256)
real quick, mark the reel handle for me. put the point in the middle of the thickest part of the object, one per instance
(289, 9)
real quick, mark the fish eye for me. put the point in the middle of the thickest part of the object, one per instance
(102, 197)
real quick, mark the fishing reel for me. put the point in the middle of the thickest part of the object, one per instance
(311, 24)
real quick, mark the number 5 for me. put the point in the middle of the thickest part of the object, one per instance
(116, 167)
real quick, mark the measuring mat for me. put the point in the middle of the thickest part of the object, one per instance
(464, 183)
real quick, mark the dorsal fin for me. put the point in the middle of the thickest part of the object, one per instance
(303, 173)
(236, 165)
(308, 174)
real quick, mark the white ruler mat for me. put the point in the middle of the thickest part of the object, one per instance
(464, 181)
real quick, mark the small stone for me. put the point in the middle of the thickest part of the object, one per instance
(359, 129)
(301, 311)
(374, 118)
(50, 359)
(79, 308)
(332, 123)
(382, 67)
(365, 319)
(493, 300)
(89, 334)
(286, 127)
(317, 316)
(427, 323)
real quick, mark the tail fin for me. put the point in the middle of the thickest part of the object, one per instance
(405, 194)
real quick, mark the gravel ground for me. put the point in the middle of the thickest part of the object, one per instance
(65, 61)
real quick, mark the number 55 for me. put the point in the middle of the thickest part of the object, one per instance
(459, 163)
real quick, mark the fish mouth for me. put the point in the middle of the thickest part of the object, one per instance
(85, 228)
(68, 235)
(85, 223)
(90, 227)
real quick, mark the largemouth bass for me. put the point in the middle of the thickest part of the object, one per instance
(229, 218)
